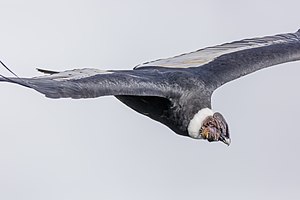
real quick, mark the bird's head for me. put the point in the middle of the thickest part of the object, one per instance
(215, 128)
(209, 126)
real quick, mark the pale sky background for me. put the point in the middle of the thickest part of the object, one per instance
(100, 149)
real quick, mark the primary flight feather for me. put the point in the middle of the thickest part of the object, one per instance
(174, 91)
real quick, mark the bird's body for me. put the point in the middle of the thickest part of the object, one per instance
(174, 91)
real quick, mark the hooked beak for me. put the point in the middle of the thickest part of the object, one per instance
(225, 140)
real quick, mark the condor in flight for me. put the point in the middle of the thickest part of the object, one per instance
(174, 91)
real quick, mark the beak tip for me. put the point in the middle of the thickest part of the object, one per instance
(227, 141)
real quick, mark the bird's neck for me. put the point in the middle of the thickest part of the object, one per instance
(196, 122)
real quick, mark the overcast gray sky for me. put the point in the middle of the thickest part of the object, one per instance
(99, 148)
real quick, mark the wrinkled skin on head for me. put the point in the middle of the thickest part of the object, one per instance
(215, 128)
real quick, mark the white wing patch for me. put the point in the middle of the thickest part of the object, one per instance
(206, 55)
(74, 74)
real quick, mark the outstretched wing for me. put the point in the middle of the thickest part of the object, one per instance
(90, 83)
(230, 61)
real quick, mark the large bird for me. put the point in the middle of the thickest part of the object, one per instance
(174, 91)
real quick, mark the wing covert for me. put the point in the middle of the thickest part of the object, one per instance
(206, 55)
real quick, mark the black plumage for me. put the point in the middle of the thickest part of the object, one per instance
(174, 91)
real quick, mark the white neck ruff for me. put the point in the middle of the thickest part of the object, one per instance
(197, 122)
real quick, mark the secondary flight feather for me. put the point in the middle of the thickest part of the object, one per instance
(175, 91)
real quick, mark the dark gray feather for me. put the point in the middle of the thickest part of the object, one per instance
(235, 65)
(91, 83)
(222, 63)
